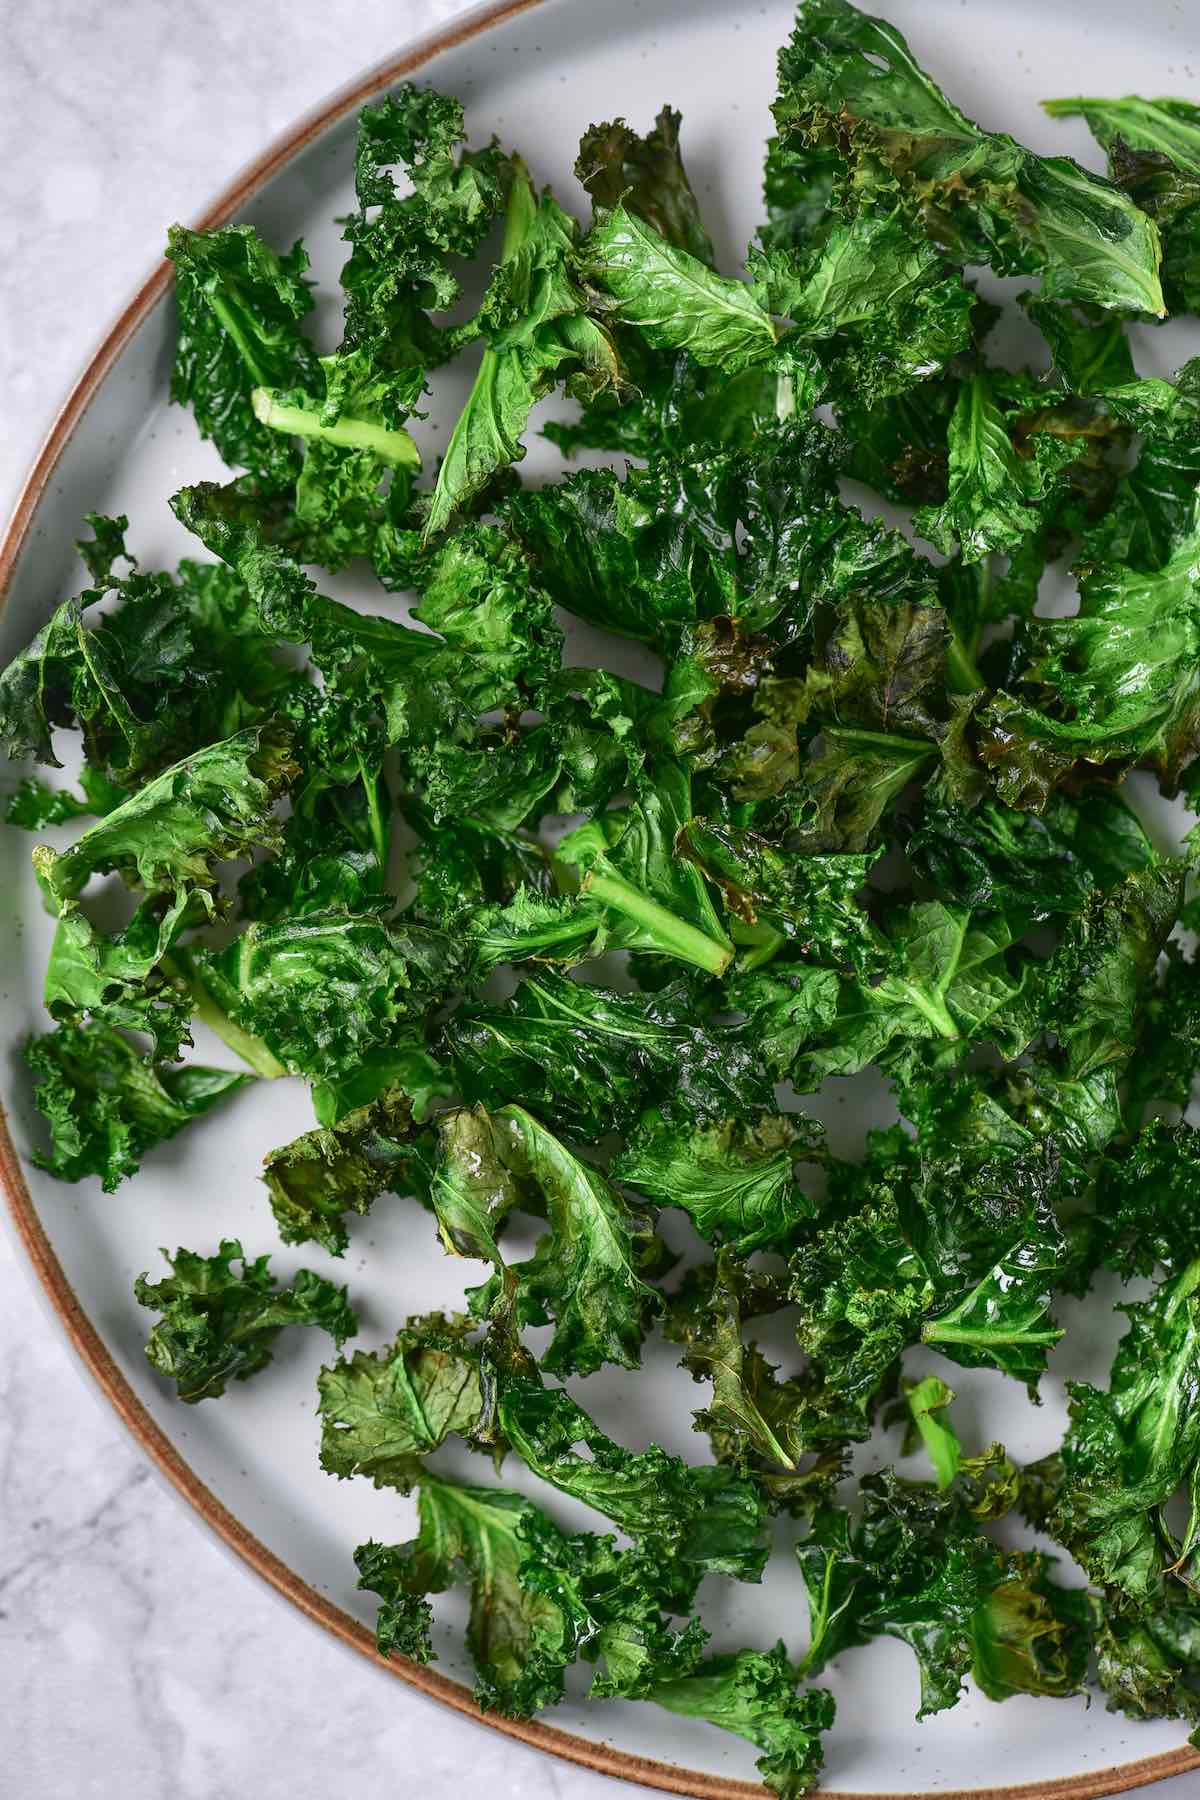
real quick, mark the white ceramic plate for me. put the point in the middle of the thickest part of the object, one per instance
(535, 74)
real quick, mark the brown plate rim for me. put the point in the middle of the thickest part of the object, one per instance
(82, 1333)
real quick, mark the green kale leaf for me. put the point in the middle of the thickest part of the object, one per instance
(107, 1104)
(337, 1169)
(218, 1326)
(849, 82)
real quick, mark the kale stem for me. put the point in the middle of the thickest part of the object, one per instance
(233, 325)
(938, 1332)
(934, 1010)
(669, 933)
(758, 944)
(380, 832)
(388, 443)
(252, 1050)
(962, 675)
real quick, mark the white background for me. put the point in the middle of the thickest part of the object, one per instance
(136, 1657)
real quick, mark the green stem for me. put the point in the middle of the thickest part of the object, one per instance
(757, 944)
(252, 1050)
(962, 675)
(232, 323)
(380, 833)
(937, 1014)
(673, 935)
(389, 444)
(521, 211)
(937, 1333)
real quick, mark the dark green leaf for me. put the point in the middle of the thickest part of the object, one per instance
(218, 1326)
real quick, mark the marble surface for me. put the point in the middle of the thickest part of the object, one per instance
(136, 1655)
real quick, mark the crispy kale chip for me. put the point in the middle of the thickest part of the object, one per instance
(107, 1105)
(916, 1567)
(1130, 1448)
(1154, 156)
(752, 1418)
(514, 1634)
(175, 664)
(240, 305)
(324, 991)
(587, 1060)
(848, 82)
(754, 1693)
(381, 1413)
(585, 1275)
(340, 1168)
(219, 1326)
(735, 1177)
(538, 330)
(707, 1517)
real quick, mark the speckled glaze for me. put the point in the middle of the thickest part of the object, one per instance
(535, 71)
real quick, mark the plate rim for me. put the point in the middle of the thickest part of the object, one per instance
(84, 1337)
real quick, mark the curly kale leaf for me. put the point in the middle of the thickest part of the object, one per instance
(342, 1168)
(514, 1634)
(240, 305)
(402, 243)
(676, 301)
(1093, 984)
(754, 1693)
(585, 1273)
(1129, 1448)
(588, 1060)
(646, 174)
(325, 990)
(613, 1603)
(124, 978)
(758, 534)
(995, 858)
(495, 646)
(382, 1412)
(669, 399)
(1146, 1659)
(167, 838)
(751, 1416)
(958, 1250)
(1090, 349)
(1146, 1215)
(849, 81)
(734, 1177)
(656, 900)
(1154, 156)
(1167, 1057)
(333, 850)
(538, 330)
(174, 665)
(916, 1567)
(1083, 705)
(107, 1104)
(219, 1326)
(872, 296)
(705, 1517)
(950, 978)
(996, 483)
